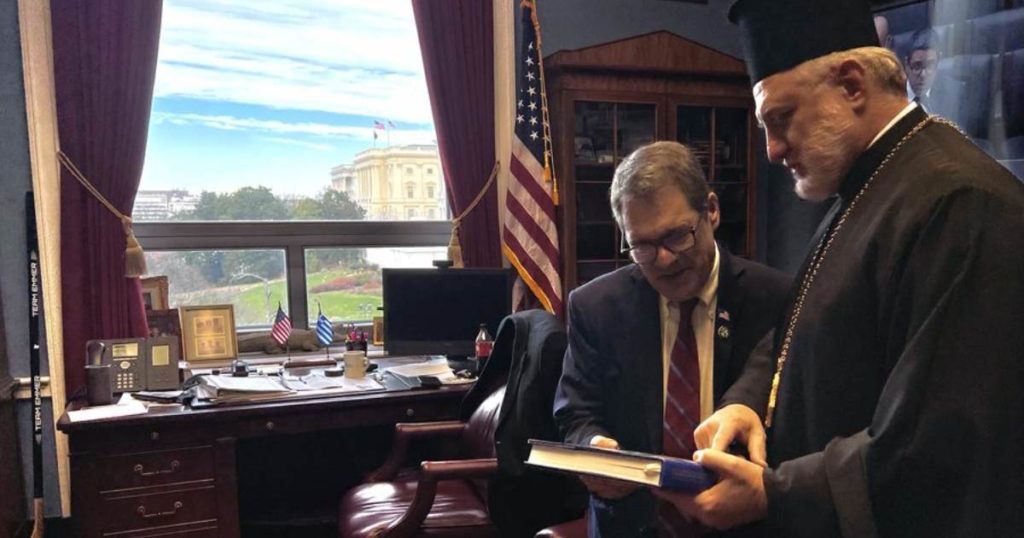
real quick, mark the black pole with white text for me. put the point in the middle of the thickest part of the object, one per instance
(35, 298)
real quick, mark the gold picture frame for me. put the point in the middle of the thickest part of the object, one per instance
(378, 331)
(154, 292)
(208, 332)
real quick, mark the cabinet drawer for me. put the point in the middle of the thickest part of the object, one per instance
(133, 513)
(154, 468)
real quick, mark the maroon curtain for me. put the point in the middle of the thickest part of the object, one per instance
(104, 62)
(457, 42)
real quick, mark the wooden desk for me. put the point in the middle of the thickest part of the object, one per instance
(173, 472)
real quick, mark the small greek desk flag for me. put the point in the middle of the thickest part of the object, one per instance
(324, 330)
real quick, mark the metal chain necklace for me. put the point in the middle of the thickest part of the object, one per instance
(819, 255)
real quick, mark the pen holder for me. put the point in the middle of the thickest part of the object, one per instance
(98, 387)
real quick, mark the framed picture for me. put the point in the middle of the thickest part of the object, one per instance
(163, 323)
(378, 330)
(208, 332)
(154, 292)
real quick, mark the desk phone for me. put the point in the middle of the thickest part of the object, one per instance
(142, 363)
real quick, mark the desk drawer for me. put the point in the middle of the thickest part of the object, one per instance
(154, 468)
(138, 514)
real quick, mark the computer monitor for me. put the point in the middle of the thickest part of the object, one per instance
(439, 311)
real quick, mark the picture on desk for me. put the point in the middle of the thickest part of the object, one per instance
(154, 292)
(163, 323)
(208, 325)
(208, 332)
(211, 347)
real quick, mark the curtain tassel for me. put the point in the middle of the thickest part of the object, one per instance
(134, 257)
(454, 248)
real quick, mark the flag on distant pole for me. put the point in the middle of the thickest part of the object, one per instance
(282, 329)
(324, 330)
(530, 236)
(391, 124)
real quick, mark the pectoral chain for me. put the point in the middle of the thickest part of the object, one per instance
(820, 251)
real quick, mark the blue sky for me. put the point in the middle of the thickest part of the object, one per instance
(276, 92)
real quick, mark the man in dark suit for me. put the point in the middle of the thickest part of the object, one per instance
(653, 345)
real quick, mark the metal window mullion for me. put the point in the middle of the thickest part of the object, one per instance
(295, 274)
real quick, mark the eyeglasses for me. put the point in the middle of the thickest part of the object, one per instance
(918, 67)
(676, 242)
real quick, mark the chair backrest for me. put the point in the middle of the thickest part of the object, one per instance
(479, 435)
(528, 354)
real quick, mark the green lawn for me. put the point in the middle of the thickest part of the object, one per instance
(253, 307)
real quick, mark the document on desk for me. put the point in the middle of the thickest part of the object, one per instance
(410, 373)
(319, 382)
(219, 388)
(123, 408)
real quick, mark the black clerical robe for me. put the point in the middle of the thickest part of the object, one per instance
(901, 407)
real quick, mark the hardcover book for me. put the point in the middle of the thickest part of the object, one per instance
(652, 470)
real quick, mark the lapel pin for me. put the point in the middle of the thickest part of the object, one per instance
(723, 332)
(723, 314)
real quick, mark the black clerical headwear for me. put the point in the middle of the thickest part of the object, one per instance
(778, 35)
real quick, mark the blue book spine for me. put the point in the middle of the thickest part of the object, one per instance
(685, 476)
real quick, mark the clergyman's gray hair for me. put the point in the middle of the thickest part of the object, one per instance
(654, 166)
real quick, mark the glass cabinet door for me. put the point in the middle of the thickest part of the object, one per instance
(719, 137)
(604, 133)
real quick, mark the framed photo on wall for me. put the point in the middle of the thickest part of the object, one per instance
(154, 292)
(208, 332)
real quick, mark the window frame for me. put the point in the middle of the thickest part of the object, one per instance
(294, 237)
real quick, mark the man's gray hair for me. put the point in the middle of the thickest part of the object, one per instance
(654, 166)
(880, 63)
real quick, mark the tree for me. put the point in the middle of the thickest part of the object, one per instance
(259, 203)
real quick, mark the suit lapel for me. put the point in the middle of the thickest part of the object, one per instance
(730, 297)
(645, 338)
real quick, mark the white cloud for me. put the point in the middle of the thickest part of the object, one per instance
(232, 123)
(342, 56)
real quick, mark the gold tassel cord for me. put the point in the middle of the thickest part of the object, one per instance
(549, 155)
(134, 257)
(454, 248)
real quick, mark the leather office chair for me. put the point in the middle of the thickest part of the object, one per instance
(491, 493)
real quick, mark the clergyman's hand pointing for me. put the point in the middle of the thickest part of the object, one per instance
(733, 423)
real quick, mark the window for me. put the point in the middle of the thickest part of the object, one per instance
(346, 282)
(432, 213)
(278, 129)
(410, 213)
(252, 280)
(430, 170)
(410, 190)
(963, 63)
(430, 191)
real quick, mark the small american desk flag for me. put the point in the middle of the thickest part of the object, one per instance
(530, 237)
(282, 327)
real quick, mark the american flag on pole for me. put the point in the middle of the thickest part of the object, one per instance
(282, 327)
(378, 125)
(530, 237)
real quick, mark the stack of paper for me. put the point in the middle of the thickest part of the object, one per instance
(217, 388)
(410, 373)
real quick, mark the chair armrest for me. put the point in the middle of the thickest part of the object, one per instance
(406, 432)
(465, 469)
(426, 489)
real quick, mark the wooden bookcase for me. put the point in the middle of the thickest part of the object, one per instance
(607, 100)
